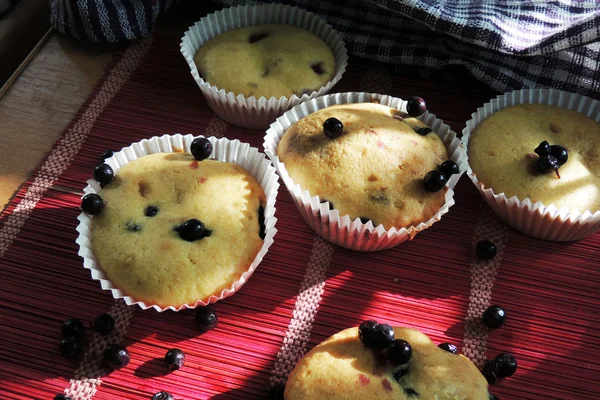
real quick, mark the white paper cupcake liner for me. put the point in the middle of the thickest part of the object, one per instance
(250, 112)
(223, 150)
(536, 219)
(329, 224)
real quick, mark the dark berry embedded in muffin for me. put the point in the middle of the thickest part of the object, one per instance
(416, 106)
(192, 230)
(256, 37)
(507, 365)
(435, 181)
(399, 352)
(423, 130)
(261, 223)
(400, 372)
(366, 332)
(70, 347)
(104, 174)
(449, 168)
(494, 317)
(490, 371)
(318, 68)
(410, 392)
(450, 348)
(133, 226)
(103, 324)
(333, 128)
(383, 336)
(72, 328)
(92, 204)
(174, 359)
(201, 148)
(151, 211)
(116, 356)
(485, 250)
(206, 319)
(163, 396)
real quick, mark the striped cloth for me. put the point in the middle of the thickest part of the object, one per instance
(106, 20)
(507, 44)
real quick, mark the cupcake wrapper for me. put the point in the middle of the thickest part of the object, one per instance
(329, 224)
(250, 112)
(223, 150)
(536, 219)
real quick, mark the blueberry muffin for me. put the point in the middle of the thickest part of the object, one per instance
(541, 152)
(175, 230)
(411, 368)
(266, 60)
(368, 160)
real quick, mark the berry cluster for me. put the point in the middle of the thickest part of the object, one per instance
(551, 158)
(380, 337)
(435, 180)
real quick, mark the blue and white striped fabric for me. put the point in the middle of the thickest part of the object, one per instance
(507, 44)
(107, 20)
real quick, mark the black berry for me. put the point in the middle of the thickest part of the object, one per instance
(416, 106)
(494, 317)
(92, 204)
(133, 227)
(174, 359)
(206, 319)
(333, 128)
(104, 174)
(163, 396)
(107, 154)
(192, 230)
(449, 168)
(116, 356)
(70, 347)
(423, 130)
(543, 149)
(366, 332)
(383, 336)
(103, 324)
(490, 372)
(72, 328)
(410, 392)
(364, 220)
(61, 396)
(507, 365)
(399, 352)
(435, 181)
(201, 148)
(485, 250)
(560, 153)
(450, 348)
(547, 164)
(151, 211)
(276, 392)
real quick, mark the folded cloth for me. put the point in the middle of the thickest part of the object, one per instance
(106, 20)
(507, 44)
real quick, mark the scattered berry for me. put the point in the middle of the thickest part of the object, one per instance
(366, 332)
(450, 348)
(116, 356)
(174, 359)
(201, 148)
(560, 153)
(276, 392)
(333, 128)
(92, 204)
(107, 154)
(490, 372)
(383, 336)
(494, 317)
(61, 396)
(449, 168)
(485, 250)
(104, 174)
(543, 149)
(103, 324)
(72, 328)
(547, 164)
(423, 130)
(163, 396)
(435, 181)
(151, 211)
(416, 106)
(192, 230)
(206, 319)
(70, 347)
(399, 352)
(507, 365)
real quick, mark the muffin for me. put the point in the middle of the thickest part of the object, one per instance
(253, 63)
(342, 367)
(502, 155)
(374, 170)
(163, 228)
(534, 155)
(266, 61)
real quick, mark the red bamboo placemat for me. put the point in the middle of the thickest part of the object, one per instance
(305, 289)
